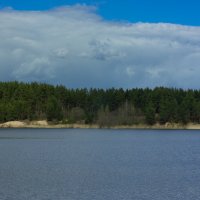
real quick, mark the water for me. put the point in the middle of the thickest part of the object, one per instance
(73, 164)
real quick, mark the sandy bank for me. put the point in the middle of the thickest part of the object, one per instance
(13, 124)
(42, 124)
(45, 124)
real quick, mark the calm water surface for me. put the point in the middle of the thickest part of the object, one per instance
(73, 164)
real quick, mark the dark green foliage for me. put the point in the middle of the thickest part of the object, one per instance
(150, 114)
(106, 107)
(53, 110)
(168, 110)
(183, 113)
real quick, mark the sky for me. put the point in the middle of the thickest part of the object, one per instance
(105, 43)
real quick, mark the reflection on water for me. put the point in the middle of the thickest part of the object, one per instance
(74, 164)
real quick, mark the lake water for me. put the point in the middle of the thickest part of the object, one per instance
(73, 164)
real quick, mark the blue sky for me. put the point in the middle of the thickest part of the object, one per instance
(107, 43)
(168, 11)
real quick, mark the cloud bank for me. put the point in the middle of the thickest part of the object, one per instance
(75, 47)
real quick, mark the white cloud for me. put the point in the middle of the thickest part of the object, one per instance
(130, 71)
(74, 46)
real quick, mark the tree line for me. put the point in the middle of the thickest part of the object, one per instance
(106, 107)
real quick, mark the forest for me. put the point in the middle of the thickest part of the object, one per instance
(105, 107)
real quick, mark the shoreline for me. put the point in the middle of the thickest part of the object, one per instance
(45, 124)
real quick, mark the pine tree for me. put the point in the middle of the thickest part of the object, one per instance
(150, 114)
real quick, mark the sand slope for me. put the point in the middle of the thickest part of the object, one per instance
(13, 124)
(45, 124)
